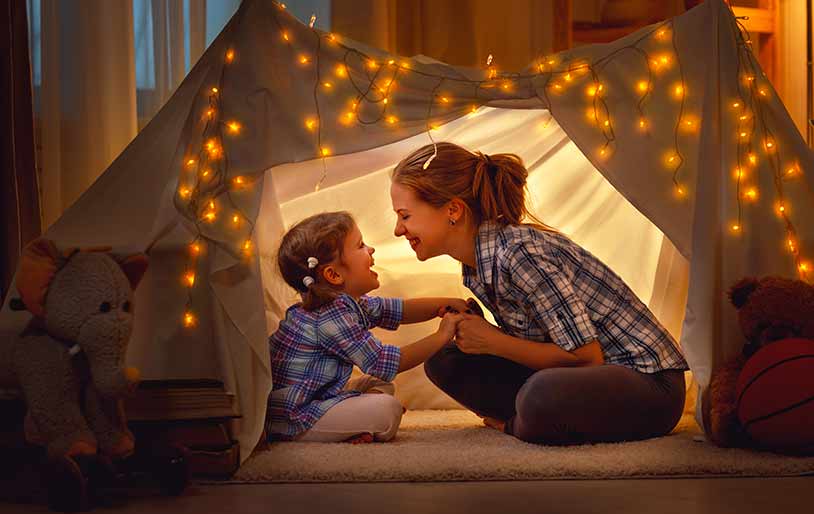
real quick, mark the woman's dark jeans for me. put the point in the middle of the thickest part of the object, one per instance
(559, 406)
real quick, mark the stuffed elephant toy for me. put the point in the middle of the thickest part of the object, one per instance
(69, 361)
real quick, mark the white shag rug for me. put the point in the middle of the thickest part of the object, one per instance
(434, 445)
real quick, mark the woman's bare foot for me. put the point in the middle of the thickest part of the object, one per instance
(360, 439)
(494, 423)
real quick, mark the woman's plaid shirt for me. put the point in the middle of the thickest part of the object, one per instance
(313, 354)
(541, 286)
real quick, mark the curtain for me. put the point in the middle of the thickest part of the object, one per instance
(19, 200)
(101, 72)
(88, 95)
(458, 32)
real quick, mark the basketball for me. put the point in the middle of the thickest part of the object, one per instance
(776, 396)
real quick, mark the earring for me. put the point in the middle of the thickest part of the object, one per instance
(452, 222)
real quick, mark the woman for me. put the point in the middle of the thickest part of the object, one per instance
(577, 357)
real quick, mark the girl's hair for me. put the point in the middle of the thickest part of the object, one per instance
(493, 187)
(321, 236)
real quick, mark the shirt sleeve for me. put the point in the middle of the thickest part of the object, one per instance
(547, 289)
(344, 335)
(383, 312)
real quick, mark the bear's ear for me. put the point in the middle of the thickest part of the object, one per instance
(39, 263)
(134, 267)
(740, 292)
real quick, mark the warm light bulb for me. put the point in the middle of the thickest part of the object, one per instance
(738, 173)
(506, 86)
(327, 85)
(235, 219)
(215, 90)
(568, 77)
(285, 36)
(743, 134)
(189, 319)
(325, 151)
(195, 248)
(642, 123)
(790, 172)
(392, 120)
(642, 86)
(310, 124)
(372, 64)
(210, 113)
(385, 101)
(444, 99)
(680, 191)
(752, 158)
(230, 56)
(209, 216)
(751, 193)
(736, 227)
(184, 192)
(591, 90)
(341, 71)
(804, 267)
(205, 173)
(238, 181)
(607, 123)
(189, 278)
(736, 105)
(191, 162)
(763, 92)
(678, 91)
(247, 246)
(303, 59)
(391, 62)
(234, 127)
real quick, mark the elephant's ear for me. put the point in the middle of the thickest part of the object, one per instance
(39, 263)
(134, 267)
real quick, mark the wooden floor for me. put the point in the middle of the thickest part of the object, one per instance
(660, 496)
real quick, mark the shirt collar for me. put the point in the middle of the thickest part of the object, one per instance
(486, 246)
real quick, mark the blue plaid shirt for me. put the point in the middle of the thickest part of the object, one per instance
(541, 286)
(313, 354)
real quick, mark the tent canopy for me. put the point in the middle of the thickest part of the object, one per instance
(677, 119)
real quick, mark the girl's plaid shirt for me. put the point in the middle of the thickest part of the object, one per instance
(313, 354)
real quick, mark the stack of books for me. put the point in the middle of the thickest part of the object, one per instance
(193, 413)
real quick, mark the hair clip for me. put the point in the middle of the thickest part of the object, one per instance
(307, 281)
(312, 262)
(434, 154)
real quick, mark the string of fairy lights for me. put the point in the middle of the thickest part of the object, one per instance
(205, 191)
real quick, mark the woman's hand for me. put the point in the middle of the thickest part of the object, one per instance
(458, 305)
(476, 335)
(448, 326)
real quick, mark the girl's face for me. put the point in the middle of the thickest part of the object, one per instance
(357, 259)
(424, 226)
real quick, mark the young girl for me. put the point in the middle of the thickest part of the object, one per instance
(320, 340)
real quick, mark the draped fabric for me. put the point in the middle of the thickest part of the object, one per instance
(622, 204)
(20, 211)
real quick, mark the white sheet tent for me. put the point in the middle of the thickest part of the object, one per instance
(290, 89)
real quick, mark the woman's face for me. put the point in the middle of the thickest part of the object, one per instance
(424, 226)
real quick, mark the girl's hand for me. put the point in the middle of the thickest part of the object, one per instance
(448, 325)
(457, 306)
(476, 335)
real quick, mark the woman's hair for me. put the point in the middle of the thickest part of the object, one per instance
(493, 187)
(322, 237)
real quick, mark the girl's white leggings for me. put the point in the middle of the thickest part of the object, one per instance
(374, 412)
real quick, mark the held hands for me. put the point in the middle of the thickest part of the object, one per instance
(457, 306)
(475, 335)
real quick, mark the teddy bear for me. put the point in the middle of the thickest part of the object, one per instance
(769, 309)
(69, 360)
